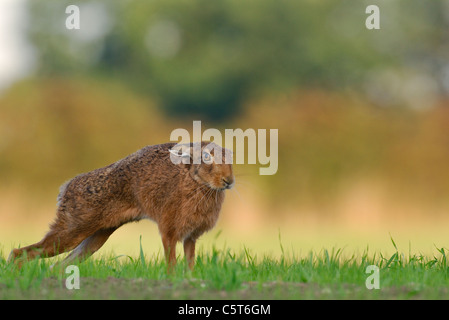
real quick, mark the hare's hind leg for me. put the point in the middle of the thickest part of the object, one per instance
(52, 244)
(88, 246)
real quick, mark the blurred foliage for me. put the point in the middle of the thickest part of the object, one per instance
(204, 58)
(136, 70)
(54, 129)
(328, 140)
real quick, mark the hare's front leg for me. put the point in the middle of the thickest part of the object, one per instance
(189, 251)
(169, 244)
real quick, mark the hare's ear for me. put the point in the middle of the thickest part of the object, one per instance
(178, 155)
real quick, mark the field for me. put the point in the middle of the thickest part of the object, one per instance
(222, 273)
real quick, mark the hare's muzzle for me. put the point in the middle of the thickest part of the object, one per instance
(228, 182)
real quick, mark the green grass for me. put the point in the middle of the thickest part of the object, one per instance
(226, 274)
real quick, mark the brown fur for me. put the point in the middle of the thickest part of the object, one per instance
(183, 199)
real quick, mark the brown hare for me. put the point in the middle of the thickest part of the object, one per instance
(184, 199)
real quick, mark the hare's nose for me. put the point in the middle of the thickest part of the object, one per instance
(228, 182)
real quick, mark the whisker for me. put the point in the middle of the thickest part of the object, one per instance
(248, 185)
(240, 180)
(237, 193)
(206, 194)
(211, 195)
(243, 183)
(201, 188)
(241, 175)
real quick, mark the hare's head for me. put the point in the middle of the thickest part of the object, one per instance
(208, 163)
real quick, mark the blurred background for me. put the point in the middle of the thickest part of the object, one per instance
(363, 115)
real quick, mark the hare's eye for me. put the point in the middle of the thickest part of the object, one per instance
(207, 158)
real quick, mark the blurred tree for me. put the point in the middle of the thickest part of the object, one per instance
(202, 58)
